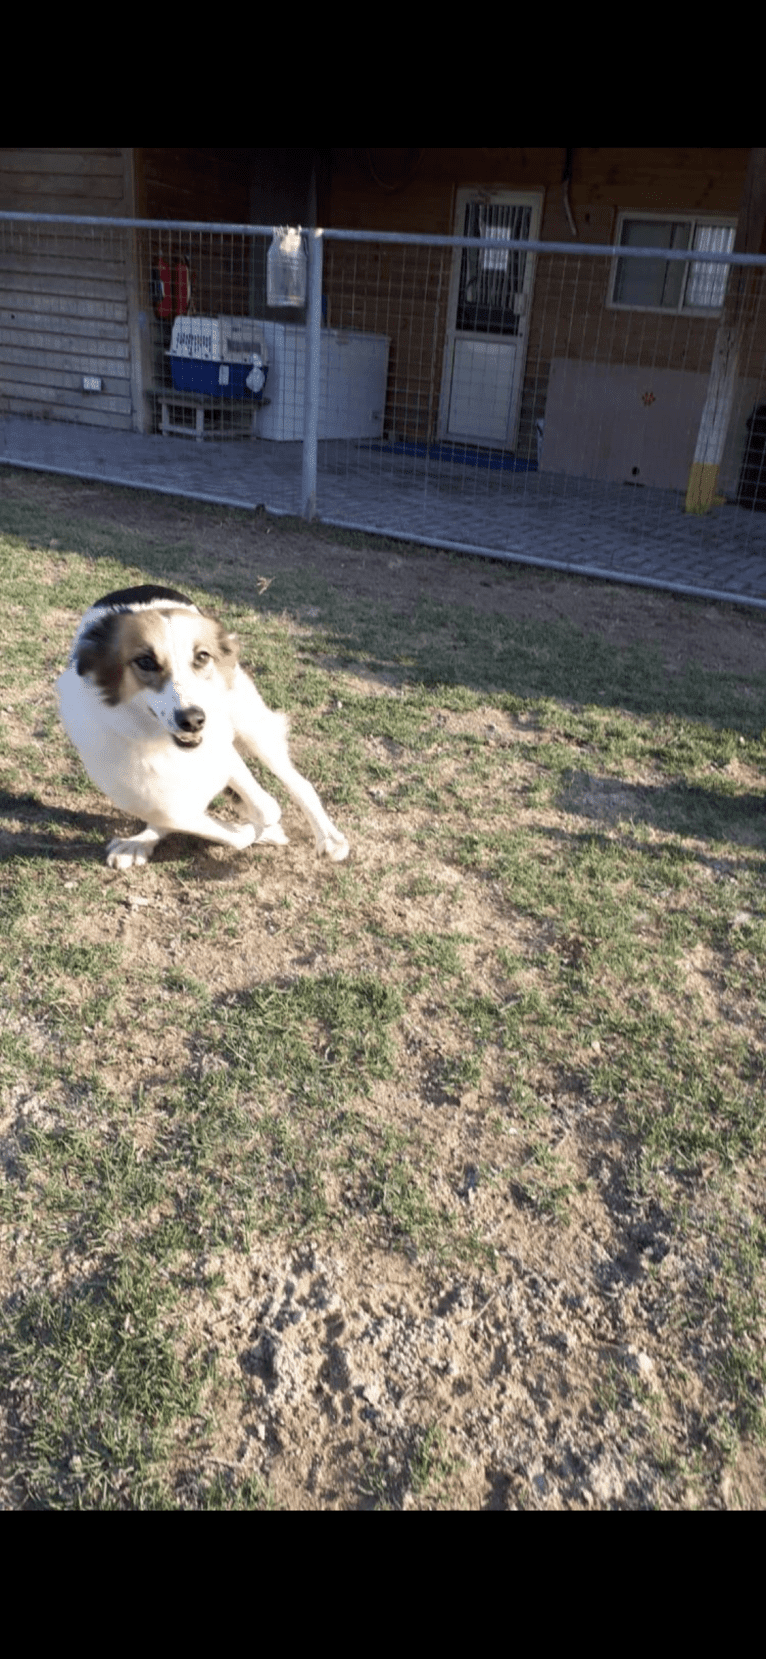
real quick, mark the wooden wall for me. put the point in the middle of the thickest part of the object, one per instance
(65, 293)
(414, 190)
(403, 293)
(194, 184)
(75, 301)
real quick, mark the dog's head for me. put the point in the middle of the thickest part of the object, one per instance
(180, 663)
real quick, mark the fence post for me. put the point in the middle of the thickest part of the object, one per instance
(722, 384)
(313, 366)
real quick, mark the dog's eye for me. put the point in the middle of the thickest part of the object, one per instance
(147, 663)
(201, 658)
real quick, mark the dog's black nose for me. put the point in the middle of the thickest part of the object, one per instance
(190, 720)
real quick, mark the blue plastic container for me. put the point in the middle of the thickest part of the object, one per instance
(225, 380)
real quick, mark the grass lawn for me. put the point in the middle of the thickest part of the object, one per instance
(435, 1179)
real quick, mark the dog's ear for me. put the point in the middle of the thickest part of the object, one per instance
(97, 654)
(229, 646)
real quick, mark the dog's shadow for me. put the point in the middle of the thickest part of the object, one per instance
(32, 838)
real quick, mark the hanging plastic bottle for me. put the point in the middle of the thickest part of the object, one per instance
(286, 267)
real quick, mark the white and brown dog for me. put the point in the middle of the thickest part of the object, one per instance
(160, 711)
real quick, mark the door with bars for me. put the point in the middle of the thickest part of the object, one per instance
(490, 299)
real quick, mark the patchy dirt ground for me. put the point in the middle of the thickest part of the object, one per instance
(348, 1377)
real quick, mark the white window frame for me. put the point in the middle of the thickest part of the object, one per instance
(726, 220)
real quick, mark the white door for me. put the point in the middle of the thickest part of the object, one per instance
(490, 300)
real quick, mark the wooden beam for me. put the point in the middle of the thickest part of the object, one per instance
(138, 303)
(716, 415)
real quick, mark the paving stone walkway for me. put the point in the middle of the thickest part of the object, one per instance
(628, 534)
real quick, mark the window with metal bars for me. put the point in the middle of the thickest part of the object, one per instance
(491, 279)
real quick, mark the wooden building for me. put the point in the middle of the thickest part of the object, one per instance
(614, 358)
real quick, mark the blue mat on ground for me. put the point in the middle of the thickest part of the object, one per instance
(497, 460)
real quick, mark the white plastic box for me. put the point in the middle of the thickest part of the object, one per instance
(352, 382)
(241, 337)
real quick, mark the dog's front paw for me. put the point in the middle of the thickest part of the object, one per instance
(273, 833)
(334, 845)
(123, 855)
(243, 836)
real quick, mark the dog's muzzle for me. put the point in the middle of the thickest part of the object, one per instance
(189, 722)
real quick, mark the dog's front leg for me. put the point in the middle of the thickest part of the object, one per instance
(209, 828)
(123, 855)
(329, 839)
(262, 810)
(263, 733)
(274, 753)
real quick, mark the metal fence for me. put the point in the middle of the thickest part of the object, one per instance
(536, 401)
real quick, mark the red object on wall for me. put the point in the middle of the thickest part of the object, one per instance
(182, 287)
